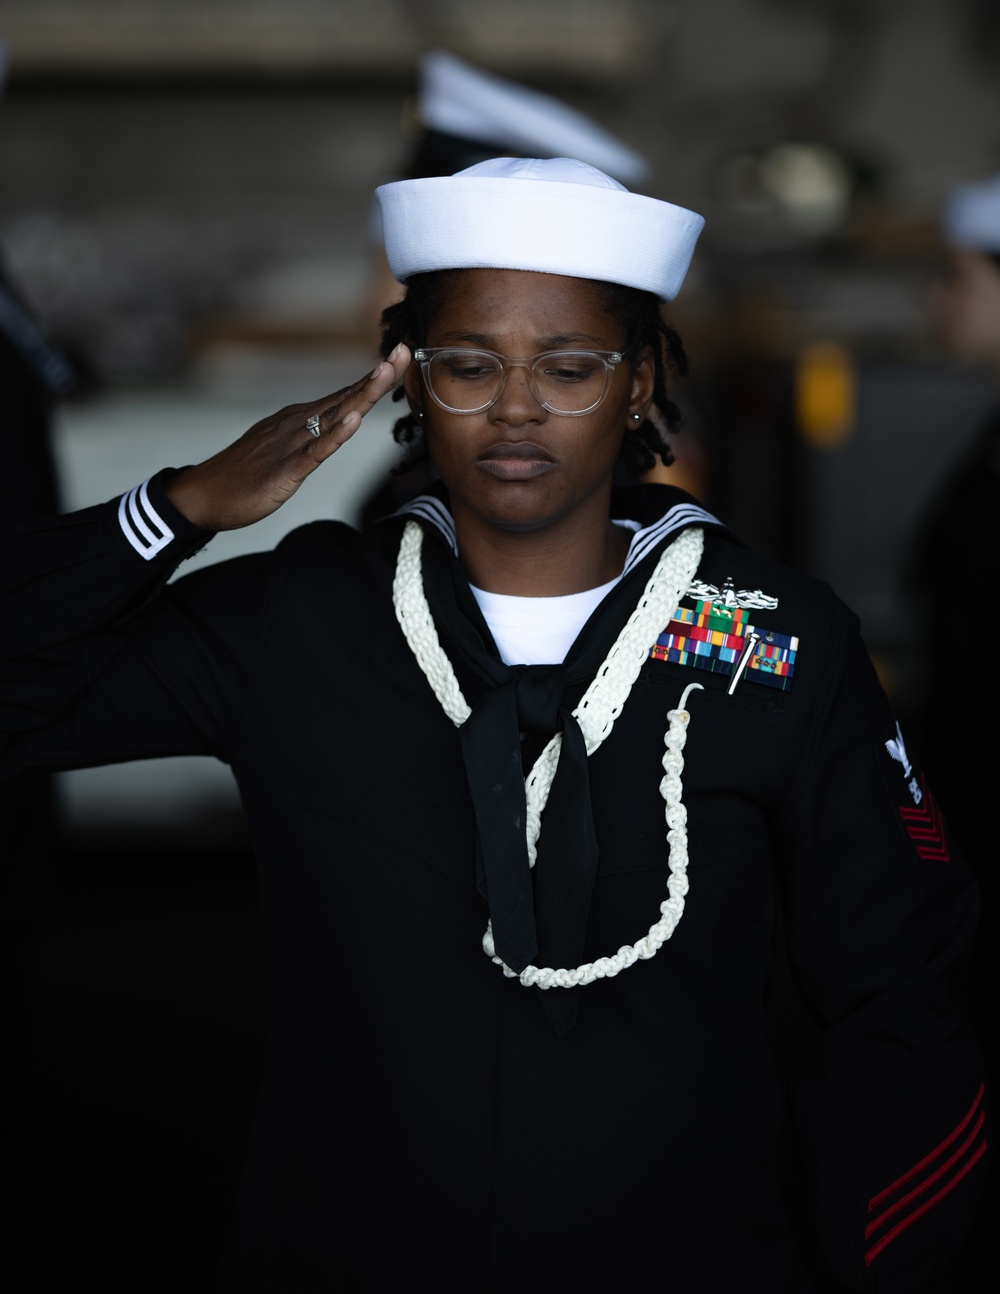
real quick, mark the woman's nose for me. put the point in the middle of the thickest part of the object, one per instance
(517, 403)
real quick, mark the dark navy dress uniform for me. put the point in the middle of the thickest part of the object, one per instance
(421, 1123)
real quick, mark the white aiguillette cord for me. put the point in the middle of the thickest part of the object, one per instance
(600, 706)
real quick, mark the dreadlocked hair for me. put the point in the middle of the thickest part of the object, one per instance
(638, 312)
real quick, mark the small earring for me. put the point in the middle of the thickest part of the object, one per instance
(637, 417)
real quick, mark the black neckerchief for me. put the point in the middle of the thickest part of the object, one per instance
(515, 710)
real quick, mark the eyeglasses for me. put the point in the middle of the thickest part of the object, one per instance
(567, 382)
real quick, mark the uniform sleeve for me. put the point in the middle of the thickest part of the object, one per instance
(100, 659)
(889, 1107)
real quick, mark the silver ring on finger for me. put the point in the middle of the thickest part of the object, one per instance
(312, 424)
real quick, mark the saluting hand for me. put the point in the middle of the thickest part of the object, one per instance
(259, 472)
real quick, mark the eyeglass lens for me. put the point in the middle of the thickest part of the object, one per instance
(564, 381)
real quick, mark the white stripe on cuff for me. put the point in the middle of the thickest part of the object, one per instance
(141, 524)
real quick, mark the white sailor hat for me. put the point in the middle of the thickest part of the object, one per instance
(554, 216)
(459, 100)
(972, 215)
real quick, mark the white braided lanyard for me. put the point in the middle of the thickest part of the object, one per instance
(598, 709)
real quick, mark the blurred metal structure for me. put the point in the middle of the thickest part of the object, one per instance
(308, 36)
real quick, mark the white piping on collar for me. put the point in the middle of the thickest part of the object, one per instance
(678, 517)
(432, 510)
(681, 515)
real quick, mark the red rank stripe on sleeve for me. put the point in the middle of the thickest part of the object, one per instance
(928, 1182)
(925, 827)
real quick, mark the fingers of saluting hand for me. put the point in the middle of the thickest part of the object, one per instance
(333, 420)
(255, 475)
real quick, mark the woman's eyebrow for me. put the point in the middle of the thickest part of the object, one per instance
(477, 338)
(554, 342)
(570, 339)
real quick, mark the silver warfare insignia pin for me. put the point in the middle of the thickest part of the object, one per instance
(727, 596)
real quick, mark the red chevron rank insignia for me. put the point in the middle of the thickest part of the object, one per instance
(925, 826)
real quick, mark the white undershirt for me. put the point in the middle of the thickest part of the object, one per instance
(538, 631)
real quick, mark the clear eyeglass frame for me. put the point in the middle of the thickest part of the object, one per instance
(609, 358)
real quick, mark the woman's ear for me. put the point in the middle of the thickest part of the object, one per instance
(643, 381)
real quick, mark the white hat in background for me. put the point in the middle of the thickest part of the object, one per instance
(460, 100)
(554, 216)
(972, 215)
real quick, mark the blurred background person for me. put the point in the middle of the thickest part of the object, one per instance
(35, 372)
(956, 569)
(958, 558)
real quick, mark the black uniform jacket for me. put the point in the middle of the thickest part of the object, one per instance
(421, 1124)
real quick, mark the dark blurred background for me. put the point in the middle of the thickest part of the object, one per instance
(185, 200)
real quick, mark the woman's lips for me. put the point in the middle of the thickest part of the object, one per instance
(515, 462)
